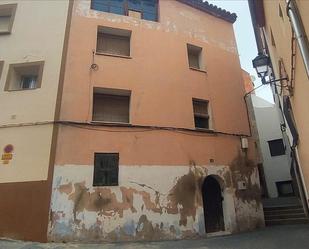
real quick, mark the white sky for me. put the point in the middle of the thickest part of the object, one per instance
(245, 40)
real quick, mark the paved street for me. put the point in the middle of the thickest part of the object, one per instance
(283, 237)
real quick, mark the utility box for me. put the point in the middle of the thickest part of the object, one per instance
(244, 143)
(241, 185)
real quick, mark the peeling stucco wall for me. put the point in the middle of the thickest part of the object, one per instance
(160, 171)
(172, 14)
(150, 203)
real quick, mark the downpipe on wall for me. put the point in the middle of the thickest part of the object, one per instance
(300, 33)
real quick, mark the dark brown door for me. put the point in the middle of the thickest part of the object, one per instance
(212, 201)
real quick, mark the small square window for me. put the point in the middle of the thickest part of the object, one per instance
(276, 147)
(195, 56)
(201, 114)
(111, 105)
(7, 14)
(106, 169)
(285, 188)
(113, 41)
(24, 76)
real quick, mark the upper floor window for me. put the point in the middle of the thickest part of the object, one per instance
(24, 76)
(195, 57)
(144, 9)
(113, 41)
(111, 105)
(276, 147)
(201, 113)
(7, 14)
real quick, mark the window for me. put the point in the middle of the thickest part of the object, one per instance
(7, 14)
(106, 169)
(272, 38)
(110, 105)
(280, 12)
(288, 114)
(285, 188)
(113, 41)
(24, 76)
(1, 67)
(148, 9)
(194, 56)
(276, 147)
(201, 115)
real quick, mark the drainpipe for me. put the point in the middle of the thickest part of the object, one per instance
(300, 32)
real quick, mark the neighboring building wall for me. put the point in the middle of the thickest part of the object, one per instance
(249, 86)
(26, 117)
(281, 49)
(161, 170)
(276, 169)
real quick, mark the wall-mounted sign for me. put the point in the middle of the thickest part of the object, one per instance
(7, 154)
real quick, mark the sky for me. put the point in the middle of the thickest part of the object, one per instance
(245, 40)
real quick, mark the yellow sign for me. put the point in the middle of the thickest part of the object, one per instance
(7, 156)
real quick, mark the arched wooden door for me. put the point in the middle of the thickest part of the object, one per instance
(212, 201)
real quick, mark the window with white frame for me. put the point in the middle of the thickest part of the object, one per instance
(24, 76)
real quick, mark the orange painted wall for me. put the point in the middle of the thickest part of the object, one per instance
(162, 88)
(247, 81)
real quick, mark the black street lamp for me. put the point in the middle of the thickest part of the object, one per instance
(261, 64)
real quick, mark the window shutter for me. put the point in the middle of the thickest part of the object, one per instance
(111, 108)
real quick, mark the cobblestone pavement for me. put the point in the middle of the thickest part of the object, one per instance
(283, 237)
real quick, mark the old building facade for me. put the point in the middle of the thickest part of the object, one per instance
(281, 29)
(151, 135)
(152, 117)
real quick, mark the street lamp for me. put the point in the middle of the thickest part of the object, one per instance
(261, 64)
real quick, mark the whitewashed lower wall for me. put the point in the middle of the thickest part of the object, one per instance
(150, 203)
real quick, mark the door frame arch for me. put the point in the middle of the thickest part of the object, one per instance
(221, 184)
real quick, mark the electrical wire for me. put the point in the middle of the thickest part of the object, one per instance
(127, 128)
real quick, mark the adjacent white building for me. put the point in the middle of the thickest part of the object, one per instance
(276, 162)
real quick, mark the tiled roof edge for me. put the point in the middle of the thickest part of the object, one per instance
(211, 9)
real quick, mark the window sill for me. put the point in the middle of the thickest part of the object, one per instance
(204, 130)
(20, 90)
(5, 32)
(114, 55)
(105, 123)
(198, 70)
